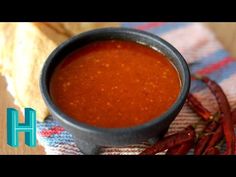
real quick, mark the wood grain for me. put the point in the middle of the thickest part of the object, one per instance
(225, 32)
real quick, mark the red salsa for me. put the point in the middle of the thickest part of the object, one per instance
(115, 84)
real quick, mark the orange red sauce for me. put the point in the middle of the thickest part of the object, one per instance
(115, 84)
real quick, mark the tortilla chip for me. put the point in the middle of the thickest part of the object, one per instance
(24, 47)
(26, 52)
(7, 36)
(74, 28)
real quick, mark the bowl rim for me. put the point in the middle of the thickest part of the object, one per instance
(54, 110)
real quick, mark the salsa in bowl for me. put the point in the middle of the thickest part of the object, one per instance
(114, 86)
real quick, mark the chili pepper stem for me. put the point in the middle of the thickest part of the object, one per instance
(197, 76)
(199, 134)
(215, 117)
(199, 122)
(220, 143)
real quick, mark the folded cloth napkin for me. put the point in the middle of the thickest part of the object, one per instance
(204, 54)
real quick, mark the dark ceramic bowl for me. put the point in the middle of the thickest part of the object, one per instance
(89, 138)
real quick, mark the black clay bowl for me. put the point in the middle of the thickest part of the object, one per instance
(90, 138)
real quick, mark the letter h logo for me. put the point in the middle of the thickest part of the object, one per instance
(14, 127)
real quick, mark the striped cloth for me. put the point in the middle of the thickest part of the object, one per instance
(204, 54)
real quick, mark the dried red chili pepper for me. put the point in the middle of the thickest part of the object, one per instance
(181, 149)
(225, 111)
(234, 120)
(215, 138)
(234, 116)
(198, 108)
(212, 151)
(204, 139)
(170, 141)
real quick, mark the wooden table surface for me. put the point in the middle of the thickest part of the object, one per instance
(225, 32)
